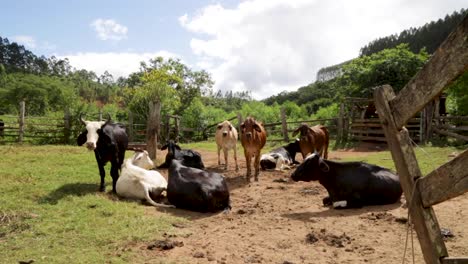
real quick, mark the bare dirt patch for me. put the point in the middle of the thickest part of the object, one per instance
(278, 221)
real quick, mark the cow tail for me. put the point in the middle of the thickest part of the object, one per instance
(327, 140)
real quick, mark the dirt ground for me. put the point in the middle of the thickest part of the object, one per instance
(275, 220)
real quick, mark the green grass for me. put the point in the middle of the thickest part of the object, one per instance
(51, 212)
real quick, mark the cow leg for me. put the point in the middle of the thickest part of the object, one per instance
(115, 175)
(257, 165)
(102, 172)
(248, 160)
(225, 150)
(219, 151)
(235, 157)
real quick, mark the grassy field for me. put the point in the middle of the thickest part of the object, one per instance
(51, 212)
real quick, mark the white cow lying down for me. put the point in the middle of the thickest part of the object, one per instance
(136, 181)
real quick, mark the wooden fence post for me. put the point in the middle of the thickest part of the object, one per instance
(152, 128)
(176, 128)
(130, 126)
(21, 121)
(168, 127)
(100, 114)
(340, 127)
(239, 120)
(66, 127)
(284, 125)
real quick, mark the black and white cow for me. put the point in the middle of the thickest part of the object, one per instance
(190, 158)
(281, 158)
(350, 184)
(109, 142)
(196, 190)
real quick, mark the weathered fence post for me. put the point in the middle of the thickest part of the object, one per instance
(340, 127)
(100, 114)
(284, 125)
(152, 128)
(130, 126)
(21, 121)
(176, 128)
(66, 126)
(168, 126)
(239, 120)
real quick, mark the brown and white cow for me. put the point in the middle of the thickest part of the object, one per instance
(253, 138)
(313, 139)
(226, 139)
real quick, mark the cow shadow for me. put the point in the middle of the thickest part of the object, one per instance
(70, 189)
(330, 212)
(190, 215)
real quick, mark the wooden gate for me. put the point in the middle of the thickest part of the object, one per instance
(451, 179)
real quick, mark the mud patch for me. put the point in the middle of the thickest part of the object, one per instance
(166, 244)
(332, 240)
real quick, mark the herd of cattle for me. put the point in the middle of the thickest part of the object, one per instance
(190, 186)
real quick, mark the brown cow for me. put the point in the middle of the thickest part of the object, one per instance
(253, 138)
(226, 139)
(313, 139)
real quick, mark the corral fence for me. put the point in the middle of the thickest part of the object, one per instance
(360, 121)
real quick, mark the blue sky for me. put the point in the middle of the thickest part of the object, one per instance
(264, 46)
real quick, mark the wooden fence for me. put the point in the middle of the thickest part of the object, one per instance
(451, 179)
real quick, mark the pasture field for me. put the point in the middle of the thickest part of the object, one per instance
(51, 212)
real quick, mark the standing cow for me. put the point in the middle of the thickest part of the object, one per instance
(313, 139)
(226, 139)
(253, 138)
(109, 142)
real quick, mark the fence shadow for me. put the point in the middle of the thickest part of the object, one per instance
(69, 189)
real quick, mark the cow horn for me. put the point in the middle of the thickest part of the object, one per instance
(108, 119)
(82, 120)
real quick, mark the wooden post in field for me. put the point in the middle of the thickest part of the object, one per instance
(239, 120)
(130, 126)
(284, 125)
(21, 121)
(100, 114)
(152, 128)
(168, 126)
(66, 126)
(340, 127)
(176, 128)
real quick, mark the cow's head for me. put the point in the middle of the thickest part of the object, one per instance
(90, 136)
(303, 130)
(249, 126)
(225, 127)
(310, 169)
(171, 147)
(141, 159)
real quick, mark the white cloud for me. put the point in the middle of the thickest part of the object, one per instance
(27, 41)
(267, 46)
(117, 64)
(109, 29)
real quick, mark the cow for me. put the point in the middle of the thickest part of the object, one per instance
(197, 190)
(313, 139)
(109, 142)
(350, 184)
(190, 158)
(253, 138)
(138, 181)
(226, 139)
(281, 158)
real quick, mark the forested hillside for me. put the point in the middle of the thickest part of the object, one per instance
(389, 60)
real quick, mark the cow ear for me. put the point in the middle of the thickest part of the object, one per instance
(295, 132)
(82, 138)
(323, 165)
(164, 147)
(257, 127)
(177, 147)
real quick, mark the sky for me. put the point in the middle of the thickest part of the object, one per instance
(261, 46)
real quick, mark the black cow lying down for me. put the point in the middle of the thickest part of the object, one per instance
(196, 190)
(281, 158)
(190, 158)
(350, 184)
